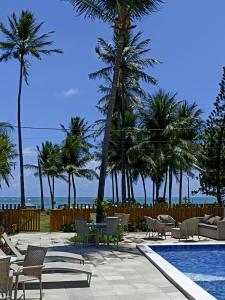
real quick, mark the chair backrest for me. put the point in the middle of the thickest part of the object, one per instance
(124, 218)
(4, 274)
(10, 245)
(93, 217)
(81, 227)
(150, 223)
(189, 227)
(166, 219)
(112, 226)
(35, 256)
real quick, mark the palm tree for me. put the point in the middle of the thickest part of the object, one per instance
(75, 157)
(7, 154)
(120, 14)
(129, 90)
(50, 160)
(22, 40)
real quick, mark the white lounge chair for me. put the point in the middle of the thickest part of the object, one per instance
(51, 255)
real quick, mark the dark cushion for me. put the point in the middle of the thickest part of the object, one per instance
(217, 219)
(205, 218)
(211, 220)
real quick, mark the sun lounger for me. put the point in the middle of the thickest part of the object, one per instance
(51, 255)
(68, 267)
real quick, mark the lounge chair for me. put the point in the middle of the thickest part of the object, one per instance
(5, 278)
(31, 269)
(51, 255)
(188, 228)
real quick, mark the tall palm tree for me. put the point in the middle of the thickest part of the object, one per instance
(129, 90)
(21, 40)
(121, 14)
(75, 158)
(50, 160)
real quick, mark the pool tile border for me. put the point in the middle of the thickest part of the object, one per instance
(188, 287)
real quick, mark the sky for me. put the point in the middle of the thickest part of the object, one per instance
(187, 36)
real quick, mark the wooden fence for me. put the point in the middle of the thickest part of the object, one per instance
(60, 217)
(20, 219)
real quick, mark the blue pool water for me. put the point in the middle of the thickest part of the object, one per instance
(204, 264)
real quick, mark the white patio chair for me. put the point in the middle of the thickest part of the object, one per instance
(93, 217)
(124, 220)
(154, 226)
(150, 222)
(5, 278)
(83, 231)
(31, 268)
(112, 229)
(188, 228)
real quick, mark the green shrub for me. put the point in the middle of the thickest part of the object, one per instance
(68, 228)
(142, 225)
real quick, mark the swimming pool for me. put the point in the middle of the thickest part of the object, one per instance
(204, 264)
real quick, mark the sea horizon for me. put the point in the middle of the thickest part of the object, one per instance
(35, 201)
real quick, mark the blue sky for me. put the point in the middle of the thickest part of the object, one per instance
(187, 36)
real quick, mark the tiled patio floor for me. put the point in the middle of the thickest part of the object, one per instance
(121, 273)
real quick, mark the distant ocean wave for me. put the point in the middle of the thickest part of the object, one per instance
(90, 200)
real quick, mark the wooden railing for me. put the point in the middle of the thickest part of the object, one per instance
(60, 217)
(20, 219)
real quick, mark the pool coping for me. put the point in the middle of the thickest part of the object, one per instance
(184, 284)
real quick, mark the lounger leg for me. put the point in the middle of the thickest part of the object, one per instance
(23, 290)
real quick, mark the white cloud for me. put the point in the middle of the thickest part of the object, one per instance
(70, 92)
(29, 151)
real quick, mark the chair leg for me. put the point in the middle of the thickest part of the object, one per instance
(24, 291)
(40, 288)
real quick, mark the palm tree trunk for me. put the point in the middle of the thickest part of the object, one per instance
(123, 153)
(74, 191)
(128, 185)
(143, 182)
(131, 185)
(113, 192)
(105, 145)
(117, 191)
(22, 189)
(50, 189)
(157, 187)
(41, 185)
(180, 186)
(170, 185)
(53, 191)
(165, 185)
(153, 192)
(69, 187)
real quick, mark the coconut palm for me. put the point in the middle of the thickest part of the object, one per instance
(75, 158)
(129, 90)
(21, 40)
(7, 154)
(121, 14)
(50, 160)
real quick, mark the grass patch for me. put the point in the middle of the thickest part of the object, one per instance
(44, 223)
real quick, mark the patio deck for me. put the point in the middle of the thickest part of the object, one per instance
(117, 273)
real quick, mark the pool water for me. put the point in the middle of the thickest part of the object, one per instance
(204, 264)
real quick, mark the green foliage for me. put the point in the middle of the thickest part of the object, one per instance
(101, 209)
(212, 176)
(142, 225)
(68, 228)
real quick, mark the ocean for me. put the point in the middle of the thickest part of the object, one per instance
(90, 200)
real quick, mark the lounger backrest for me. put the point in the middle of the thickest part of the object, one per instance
(10, 245)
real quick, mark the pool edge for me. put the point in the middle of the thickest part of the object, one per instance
(184, 284)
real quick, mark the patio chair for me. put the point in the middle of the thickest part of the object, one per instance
(150, 222)
(5, 278)
(51, 255)
(83, 231)
(93, 217)
(112, 229)
(124, 220)
(188, 228)
(154, 226)
(31, 268)
(168, 221)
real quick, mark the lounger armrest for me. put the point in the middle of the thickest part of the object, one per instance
(20, 269)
